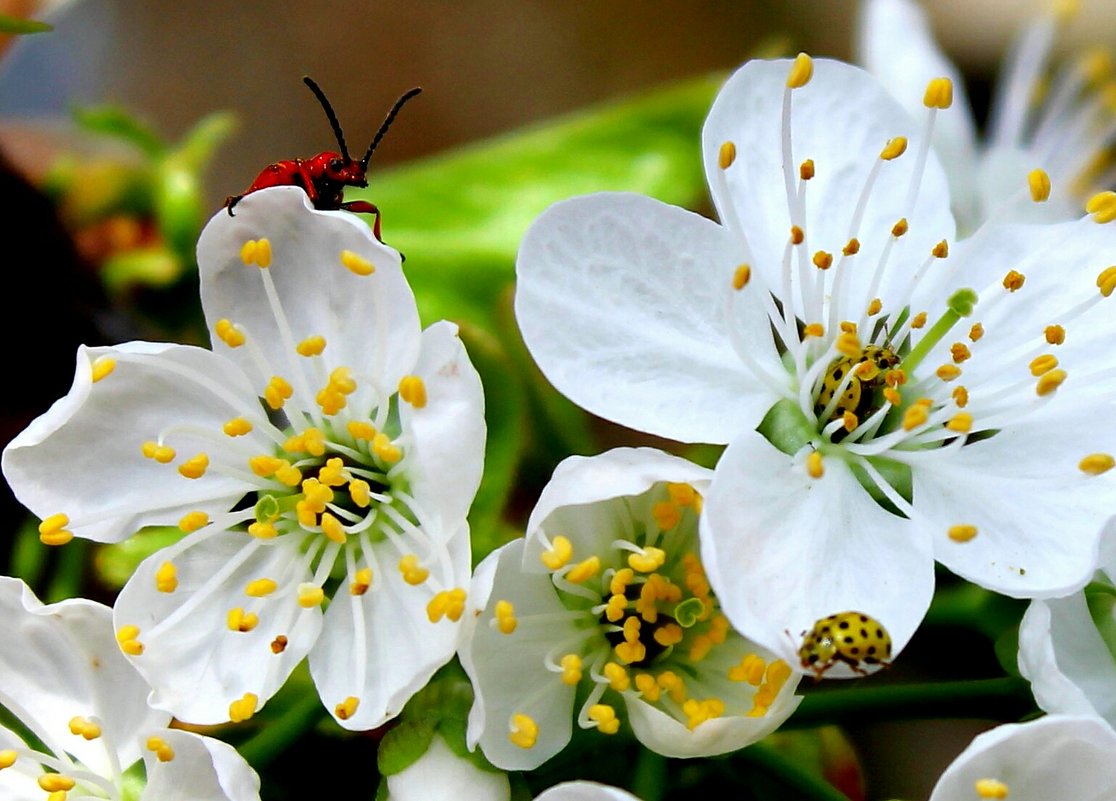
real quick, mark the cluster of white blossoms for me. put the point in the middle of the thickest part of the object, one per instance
(891, 397)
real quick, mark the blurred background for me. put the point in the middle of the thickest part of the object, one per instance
(488, 68)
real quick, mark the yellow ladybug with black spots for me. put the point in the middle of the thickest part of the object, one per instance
(854, 638)
(859, 396)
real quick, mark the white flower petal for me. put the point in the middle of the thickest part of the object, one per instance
(621, 300)
(370, 322)
(584, 791)
(670, 737)
(841, 120)
(19, 782)
(61, 661)
(1064, 657)
(83, 457)
(441, 775)
(380, 647)
(1054, 757)
(783, 550)
(580, 483)
(448, 432)
(195, 662)
(508, 670)
(203, 769)
(895, 43)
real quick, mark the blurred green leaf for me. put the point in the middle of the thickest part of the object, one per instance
(195, 150)
(116, 563)
(403, 745)
(460, 216)
(10, 24)
(119, 123)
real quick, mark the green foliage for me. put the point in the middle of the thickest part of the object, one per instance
(18, 25)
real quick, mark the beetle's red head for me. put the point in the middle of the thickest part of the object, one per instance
(341, 167)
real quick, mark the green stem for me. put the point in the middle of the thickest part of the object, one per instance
(70, 573)
(649, 779)
(261, 748)
(801, 785)
(1007, 698)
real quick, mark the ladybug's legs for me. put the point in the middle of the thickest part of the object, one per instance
(364, 207)
(231, 201)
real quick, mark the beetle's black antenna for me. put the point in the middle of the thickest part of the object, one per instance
(318, 93)
(387, 122)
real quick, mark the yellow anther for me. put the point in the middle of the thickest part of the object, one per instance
(976, 332)
(961, 397)
(806, 170)
(263, 531)
(750, 669)
(311, 346)
(801, 71)
(279, 644)
(1013, 281)
(53, 531)
(356, 263)
(1096, 65)
(991, 788)
(162, 454)
(668, 635)
(1049, 382)
(849, 345)
(940, 250)
(1039, 183)
(948, 372)
(741, 276)
(360, 429)
(310, 595)
(256, 251)
(260, 588)
(893, 396)
(385, 449)
(726, 155)
(347, 708)
(330, 401)
(127, 639)
(616, 607)
(413, 572)
(605, 718)
(166, 577)
(962, 533)
(314, 441)
(334, 473)
(673, 684)
(914, 417)
(1043, 364)
(333, 529)
(814, 466)
(277, 391)
(1096, 463)
(1107, 281)
(447, 603)
(413, 391)
(361, 582)
(630, 652)
(618, 678)
(700, 646)
(620, 580)
(571, 669)
(852, 247)
(849, 420)
(682, 494)
(228, 333)
(894, 148)
(194, 467)
(239, 620)
(667, 515)
(697, 712)
(360, 492)
(648, 687)
(1055, 334)
(939, 93)
(649, 559)
(102, 366)
(56, 782)
(960, 352)
(265, 466)
(243, 708)
(918, 321)
(559, 553)
(777, 674)
(848, 327)
(1102, 206)
(814, 330)
(962, 423)
(8, 758)
(504, 615)
(585, 570)
(522, 730)
(84, 728)
(823, 260)
(237, 427)
(901, 227)
(158, 746)
(798, 236)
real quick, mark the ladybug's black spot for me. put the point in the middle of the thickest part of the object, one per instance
(879, 634)
(864, 634)
(844, 624)
(854, 651)
(837, 373)
(849, 640)
(864, 618)
(872, 650)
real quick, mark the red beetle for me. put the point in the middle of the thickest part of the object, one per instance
(325, 176)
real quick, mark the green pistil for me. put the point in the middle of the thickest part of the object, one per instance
(688, 612)
(268, 508)
(961, 304)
